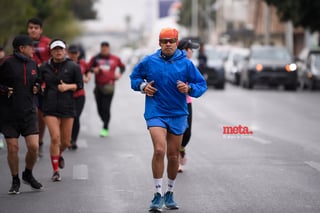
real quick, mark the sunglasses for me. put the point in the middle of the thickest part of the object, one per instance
(165, 41)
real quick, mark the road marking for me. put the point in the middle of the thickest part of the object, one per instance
(80, 172)
(313, 164)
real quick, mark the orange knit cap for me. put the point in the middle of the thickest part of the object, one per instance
(168, 33)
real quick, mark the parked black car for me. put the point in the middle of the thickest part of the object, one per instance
(213, 70)
(309, 68)
(269, 65)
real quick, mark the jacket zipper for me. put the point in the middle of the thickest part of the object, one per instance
(25, 74)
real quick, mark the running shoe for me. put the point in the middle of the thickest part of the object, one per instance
(180, 170)
(56, 177)
(156, 203)
(30, 180)
(61, 162)
(73, 146)
(104, 132)
(169, 202)
(14, 190)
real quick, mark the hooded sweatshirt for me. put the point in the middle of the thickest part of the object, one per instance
(167, 101)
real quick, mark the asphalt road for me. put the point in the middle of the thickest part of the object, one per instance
(276, 169)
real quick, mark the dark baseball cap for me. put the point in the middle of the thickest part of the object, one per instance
(73, 48)
(187, 44)
(21, 40)
(105, 43)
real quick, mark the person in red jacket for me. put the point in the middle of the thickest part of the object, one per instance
(41, 55)
(18, 86)
(104, 66)
(79, 96)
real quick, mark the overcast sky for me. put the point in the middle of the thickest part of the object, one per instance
(144, 13)
(112, 13)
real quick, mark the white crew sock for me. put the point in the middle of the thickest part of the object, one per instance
(158, 185)
(170, 185)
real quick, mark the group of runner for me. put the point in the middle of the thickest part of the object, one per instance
(41, 85)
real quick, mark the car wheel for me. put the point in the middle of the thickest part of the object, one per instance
(312, 86)
(291, 87)
(250, 84)
(220, 86)
(237, 80)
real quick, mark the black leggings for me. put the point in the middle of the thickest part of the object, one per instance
(187, 133)
(103, 106)
(79, 102)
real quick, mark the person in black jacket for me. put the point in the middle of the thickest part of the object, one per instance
(188, 46)
(60, 77)
(18, 85)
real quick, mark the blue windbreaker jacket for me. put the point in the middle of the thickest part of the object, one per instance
(167, 101)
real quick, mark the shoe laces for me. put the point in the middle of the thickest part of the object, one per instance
(169, 197)
(15, 181)
(156, 198)
(33, 181)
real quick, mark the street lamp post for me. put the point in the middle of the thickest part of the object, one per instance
(194, 21)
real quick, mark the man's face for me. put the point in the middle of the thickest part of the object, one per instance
(74, 56)
(105, 50)
(34, 31)
(168, 45)
(2, 54)
(27, 50)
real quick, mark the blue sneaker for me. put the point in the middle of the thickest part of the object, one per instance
(156, 203)
(169, 202)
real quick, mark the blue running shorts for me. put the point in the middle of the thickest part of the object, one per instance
(175, 125)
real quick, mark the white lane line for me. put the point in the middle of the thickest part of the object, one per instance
(313, 164)
(80, 172)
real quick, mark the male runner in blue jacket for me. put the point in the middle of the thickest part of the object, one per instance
(163, 77)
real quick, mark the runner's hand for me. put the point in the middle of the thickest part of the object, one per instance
(149, 89)
(62, 87)
(10, 91)
(182, 87)
(35, 89)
